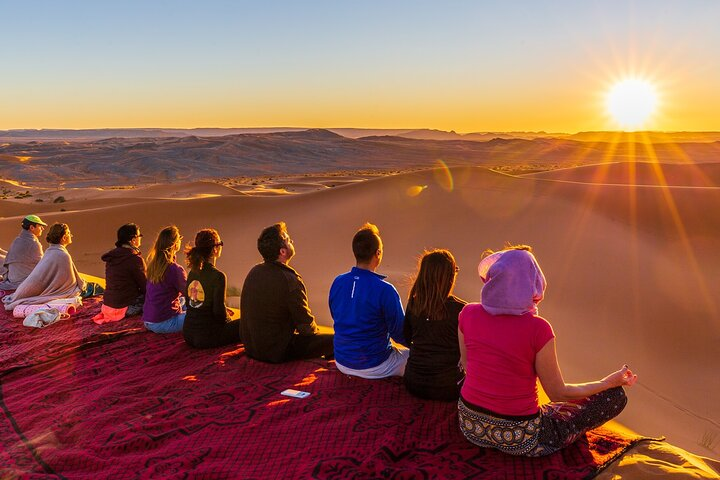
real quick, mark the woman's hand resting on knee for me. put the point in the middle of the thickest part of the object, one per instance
(551, 378)
(622, 378)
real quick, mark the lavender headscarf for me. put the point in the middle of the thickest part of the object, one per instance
(514, 283)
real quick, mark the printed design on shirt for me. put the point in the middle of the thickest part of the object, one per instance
(196, 294)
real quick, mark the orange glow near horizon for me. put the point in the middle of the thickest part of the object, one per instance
(554, 104)
(562, 108)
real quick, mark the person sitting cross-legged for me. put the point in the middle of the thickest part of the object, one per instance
(506, 347)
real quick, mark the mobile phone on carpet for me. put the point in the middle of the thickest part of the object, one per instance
(295, 393)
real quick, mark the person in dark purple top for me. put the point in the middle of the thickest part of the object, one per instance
(163, 308)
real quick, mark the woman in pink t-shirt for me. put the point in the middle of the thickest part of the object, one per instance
(505, 347)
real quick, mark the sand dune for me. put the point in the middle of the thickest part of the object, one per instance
(633, 271)
(639, 173)
(42, 200)
(17, 199)
(293, 184)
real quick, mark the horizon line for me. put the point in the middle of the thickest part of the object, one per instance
(43, 129)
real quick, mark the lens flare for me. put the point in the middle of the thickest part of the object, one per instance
(415, 190)
(443, 176)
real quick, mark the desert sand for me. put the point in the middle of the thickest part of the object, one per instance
(633, 270)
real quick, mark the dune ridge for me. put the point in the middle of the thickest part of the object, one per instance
(639, 173)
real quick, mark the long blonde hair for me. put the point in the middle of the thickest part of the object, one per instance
(163, 253)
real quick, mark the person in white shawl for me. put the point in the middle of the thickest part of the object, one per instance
(55, 277)
(25, 252)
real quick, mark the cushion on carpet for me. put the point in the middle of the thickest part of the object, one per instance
(79, 400)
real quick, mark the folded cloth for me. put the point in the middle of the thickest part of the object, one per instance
(92, 289)
(109, 314)
(514, 283)
(43, 318)
(22, 311)
(75, 301)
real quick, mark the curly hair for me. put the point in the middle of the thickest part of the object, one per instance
(56, 233)
(200, 253)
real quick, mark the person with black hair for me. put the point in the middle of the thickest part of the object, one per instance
(367, 314)
(277, 325)
(125, 272)
(207, 323)
(25, 252)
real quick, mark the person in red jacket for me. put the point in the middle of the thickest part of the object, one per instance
(125, 272)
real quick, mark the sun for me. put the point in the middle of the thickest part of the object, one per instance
(631, 102)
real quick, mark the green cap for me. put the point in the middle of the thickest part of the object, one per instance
(35, 219)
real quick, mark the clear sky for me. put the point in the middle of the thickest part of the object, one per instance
(461, 65)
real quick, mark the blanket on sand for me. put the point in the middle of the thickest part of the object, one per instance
(55, 276)
(78, 400)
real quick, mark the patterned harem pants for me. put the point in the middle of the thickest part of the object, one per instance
(557, 425)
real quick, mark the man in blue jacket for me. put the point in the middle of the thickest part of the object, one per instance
(367, 313)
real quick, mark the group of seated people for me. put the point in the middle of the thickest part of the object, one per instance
(485, 356)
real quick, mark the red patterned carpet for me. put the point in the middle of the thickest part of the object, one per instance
(79, 400)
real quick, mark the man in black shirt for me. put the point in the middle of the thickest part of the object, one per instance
(277, 325)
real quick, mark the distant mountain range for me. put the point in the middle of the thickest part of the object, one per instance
(90, 134)
(420, 134)
(147, 159)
